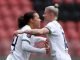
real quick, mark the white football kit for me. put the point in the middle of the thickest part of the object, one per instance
(22, 46)
(59, 48)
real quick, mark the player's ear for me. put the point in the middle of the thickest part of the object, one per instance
(31, 20)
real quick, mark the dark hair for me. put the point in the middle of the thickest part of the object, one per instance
(21, 22)
(24, 20)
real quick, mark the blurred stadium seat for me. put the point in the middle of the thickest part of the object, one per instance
(13, 2)
(5, 11)
(1, 24)
(3, 2)
(68, 1)
(57, 1)
(77, 2)
(78, 26)
(70, 25)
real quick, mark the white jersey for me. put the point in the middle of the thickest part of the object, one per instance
(33, 37)
(58, 42)
(23, 46)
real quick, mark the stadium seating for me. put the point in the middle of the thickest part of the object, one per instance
(68, 1)
(77, 2)
(57, 1)
(78, 26)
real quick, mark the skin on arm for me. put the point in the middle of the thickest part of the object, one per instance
(34, 31)
(38, 38)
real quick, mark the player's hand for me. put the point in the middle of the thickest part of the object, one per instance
(46, 44)
(47, 47)
(17, 32)
(48, 50)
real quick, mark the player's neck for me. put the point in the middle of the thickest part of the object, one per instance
(54, 19)
(31, 25)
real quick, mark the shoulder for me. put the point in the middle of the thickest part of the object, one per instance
(26, 27)
(50, 24)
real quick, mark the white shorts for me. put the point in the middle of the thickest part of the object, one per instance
(61, 57)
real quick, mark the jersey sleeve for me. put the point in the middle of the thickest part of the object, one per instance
(50, 27)
(38, 38)
(25, 28)
(27, 47)
(24, 37)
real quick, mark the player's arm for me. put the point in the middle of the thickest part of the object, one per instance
(27, 47)
(38, 31)
(39, 38)
(34, 31)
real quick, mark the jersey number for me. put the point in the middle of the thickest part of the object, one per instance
(65, 42)
(14, 42)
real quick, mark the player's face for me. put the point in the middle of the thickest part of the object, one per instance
(46, 15)
(36, 20)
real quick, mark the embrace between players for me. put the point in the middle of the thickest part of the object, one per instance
(29, 26)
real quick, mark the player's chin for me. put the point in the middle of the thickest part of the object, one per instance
(46, 19)
(38, 26)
